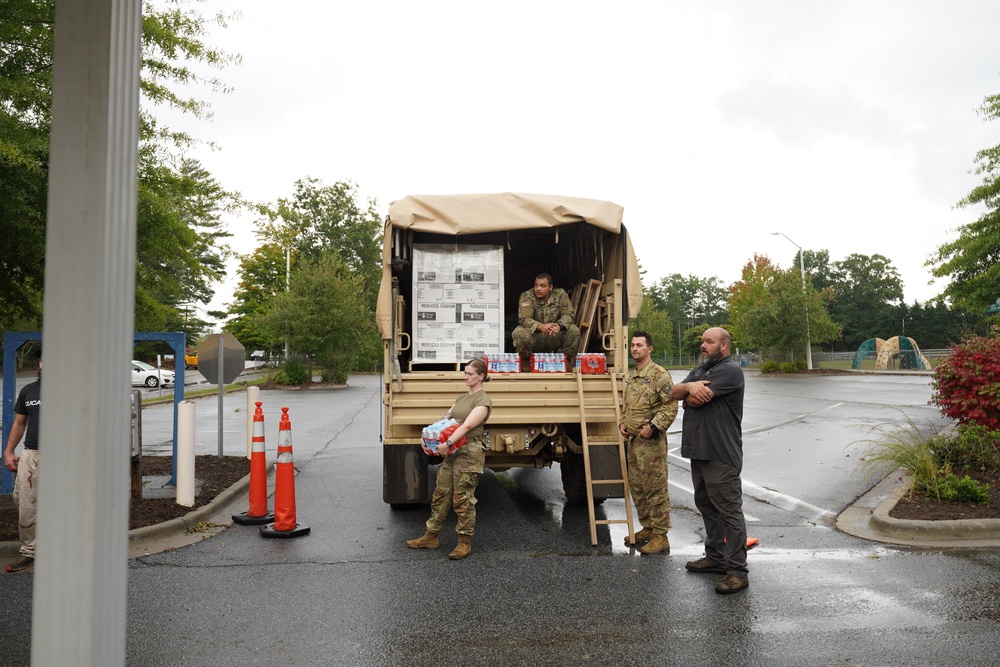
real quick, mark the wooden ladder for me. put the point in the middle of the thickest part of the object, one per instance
(590, 481)
(586, 298)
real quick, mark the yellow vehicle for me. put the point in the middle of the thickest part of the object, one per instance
(191, 359)
(453, 267)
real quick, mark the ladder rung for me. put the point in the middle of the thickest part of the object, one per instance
(590, 481)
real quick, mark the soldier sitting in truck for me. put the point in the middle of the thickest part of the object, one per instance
(546, 323)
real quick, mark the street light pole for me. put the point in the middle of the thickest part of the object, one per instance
(802, 270)
(288, 273)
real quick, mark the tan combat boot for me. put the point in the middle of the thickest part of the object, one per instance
(641, 536)
(658, 544)
(463, 549)
(428, 540)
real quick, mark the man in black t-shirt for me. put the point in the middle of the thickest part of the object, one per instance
(712, 438)
(27, 409)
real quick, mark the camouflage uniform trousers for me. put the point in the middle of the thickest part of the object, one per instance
(25, 496)
(647, 480)
(456, 488)
(566, 342)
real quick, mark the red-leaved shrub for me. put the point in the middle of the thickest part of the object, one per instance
(967, 383)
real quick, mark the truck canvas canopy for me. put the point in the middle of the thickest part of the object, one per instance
(575, 225)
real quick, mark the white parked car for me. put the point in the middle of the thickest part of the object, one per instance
(144, 375)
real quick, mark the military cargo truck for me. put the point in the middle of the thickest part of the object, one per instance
(453, 268)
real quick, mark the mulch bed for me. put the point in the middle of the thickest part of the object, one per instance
(918, 507)
(216, 474)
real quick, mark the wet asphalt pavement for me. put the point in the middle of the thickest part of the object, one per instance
(535, 591)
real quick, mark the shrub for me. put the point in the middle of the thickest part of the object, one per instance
(293, 371)
(972, 446)
(965, 490)
(967, 383)
(930, 459)
(787, 367)
(336, 365)
(890, 446)
(769, 367)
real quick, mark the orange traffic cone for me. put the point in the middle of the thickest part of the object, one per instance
(284, 487)
(257, 514)
(751, 542)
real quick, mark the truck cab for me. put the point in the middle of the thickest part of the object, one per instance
(453, 268)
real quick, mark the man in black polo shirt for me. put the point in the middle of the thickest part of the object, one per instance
(26, 416)
(712, 438)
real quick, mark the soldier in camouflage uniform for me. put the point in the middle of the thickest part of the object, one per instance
(546, 323)
(649, 411)
(459, 473)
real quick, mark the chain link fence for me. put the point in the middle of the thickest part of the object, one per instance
(842, 360)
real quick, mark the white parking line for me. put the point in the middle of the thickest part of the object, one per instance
(791, 420)
(780, 500)
(748, 517)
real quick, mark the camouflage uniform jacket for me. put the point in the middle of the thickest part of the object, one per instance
(647, 399)
(557, 308)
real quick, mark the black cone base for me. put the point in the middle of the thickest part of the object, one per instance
(244, 519)
(299, 530)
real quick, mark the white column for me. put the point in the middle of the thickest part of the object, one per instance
(184, 479)
(80, 574)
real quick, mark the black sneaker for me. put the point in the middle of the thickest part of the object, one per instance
(23, 564)
(705, 566)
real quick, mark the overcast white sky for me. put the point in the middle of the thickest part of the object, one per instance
(850, 126)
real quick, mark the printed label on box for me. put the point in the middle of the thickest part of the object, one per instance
(458, 292)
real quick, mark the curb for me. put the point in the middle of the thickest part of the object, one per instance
(190, 520)
(941, 531)
(868, 518)
(181, 531)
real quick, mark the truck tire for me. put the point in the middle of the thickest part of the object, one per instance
(574, 480)
(404, 476)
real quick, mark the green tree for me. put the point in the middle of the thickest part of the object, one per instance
(768, 309)
(172, 39)
(319, 223)
(818, 269)
(179, 249)
(25, 82)
(324, 315)
(262, 277)
(866, 294)
(319, 219)
(691, 345)
(691, 300)
(655, 321)
(972, 261)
